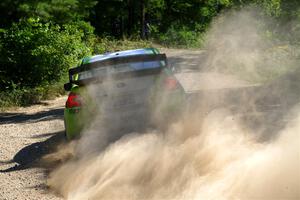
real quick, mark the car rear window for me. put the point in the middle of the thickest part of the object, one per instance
(119, 68)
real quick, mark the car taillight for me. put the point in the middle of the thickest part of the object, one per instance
(73, 101)
(171, 83)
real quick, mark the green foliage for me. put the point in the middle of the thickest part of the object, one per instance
(57, 11)
(271, 7)
(27, 96)
(119, 18)
(34, 53)
(40, 40)
(108, 44)
(180, 37)
(8, 12)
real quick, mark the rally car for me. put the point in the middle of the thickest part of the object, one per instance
(124, 89)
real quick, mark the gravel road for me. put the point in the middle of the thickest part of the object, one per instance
(29, 133)
(26, 134)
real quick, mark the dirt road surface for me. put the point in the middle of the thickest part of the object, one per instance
(23, 135)
(27, 134)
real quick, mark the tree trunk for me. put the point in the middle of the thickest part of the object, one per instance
(130, 16)
(142, 20)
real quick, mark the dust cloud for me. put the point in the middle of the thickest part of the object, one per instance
(244, 43)
(247, 147)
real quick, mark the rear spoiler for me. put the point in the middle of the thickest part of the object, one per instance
(115, 61)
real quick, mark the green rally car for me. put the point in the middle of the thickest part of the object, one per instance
(127, 89)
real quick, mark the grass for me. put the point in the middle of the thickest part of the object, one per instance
(29, 96)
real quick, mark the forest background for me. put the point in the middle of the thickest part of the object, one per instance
(41, 39)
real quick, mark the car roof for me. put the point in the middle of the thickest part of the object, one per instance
(125, 53)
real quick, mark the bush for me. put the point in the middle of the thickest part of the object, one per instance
(106, 44)
(180, 37)
(28, 96)
(35, 53)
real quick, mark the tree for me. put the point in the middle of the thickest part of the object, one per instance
(8, 12)
(56, 11)
(35, 53)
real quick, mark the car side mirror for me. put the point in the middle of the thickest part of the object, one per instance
(68, 86)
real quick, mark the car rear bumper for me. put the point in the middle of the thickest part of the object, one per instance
(73, 122)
